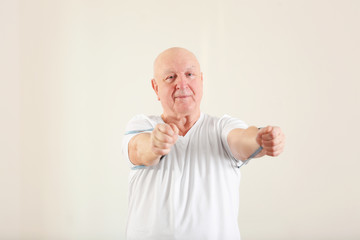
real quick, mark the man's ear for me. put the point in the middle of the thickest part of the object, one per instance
(155, 87)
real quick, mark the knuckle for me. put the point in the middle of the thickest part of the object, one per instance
(273, 134)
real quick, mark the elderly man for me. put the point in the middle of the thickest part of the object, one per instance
(184, 182)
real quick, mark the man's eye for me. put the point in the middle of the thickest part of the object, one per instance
(190, 74)
(169, 77)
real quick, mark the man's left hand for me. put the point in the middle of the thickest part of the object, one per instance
(272, 139)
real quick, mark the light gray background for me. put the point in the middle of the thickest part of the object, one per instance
(74, 72)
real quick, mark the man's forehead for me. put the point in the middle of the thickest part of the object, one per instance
(176, 60)
(176, 65)
(176, 69)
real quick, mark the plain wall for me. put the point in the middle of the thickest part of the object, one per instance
(74, 72)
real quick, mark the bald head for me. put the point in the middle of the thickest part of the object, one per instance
(178, 82)
(172, 58)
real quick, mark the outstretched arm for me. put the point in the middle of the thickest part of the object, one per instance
(244, 142)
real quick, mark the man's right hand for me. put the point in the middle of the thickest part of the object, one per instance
(163, 137)
(147, 148)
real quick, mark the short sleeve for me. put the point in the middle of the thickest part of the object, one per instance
(138, 124)
(228, 123)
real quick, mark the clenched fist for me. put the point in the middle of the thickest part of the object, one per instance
(272, 139)
(163, 137)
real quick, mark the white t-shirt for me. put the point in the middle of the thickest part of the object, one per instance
(193, 193)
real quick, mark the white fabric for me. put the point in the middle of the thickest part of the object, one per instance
(193, 193)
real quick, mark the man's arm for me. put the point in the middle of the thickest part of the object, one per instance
(244, 142)
(147, 148)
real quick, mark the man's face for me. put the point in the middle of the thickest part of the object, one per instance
(178, 82)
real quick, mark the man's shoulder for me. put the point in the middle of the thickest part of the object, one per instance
(143, 117)
(142, 122)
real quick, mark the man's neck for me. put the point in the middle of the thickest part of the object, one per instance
(183, 122)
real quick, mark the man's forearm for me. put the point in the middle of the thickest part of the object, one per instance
(140, 152)
(242, 143)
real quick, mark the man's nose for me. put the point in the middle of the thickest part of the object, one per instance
(182, 82)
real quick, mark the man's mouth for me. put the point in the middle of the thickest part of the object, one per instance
(184, 96)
